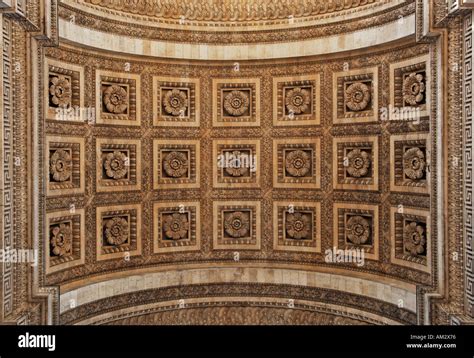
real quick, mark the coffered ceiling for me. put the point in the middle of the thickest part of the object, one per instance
(129, 199)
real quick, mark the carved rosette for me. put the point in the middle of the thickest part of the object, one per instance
(116, 230)
(298, 229)
(236, 163)
(357, 96)
(414, 163)
(414, 239)
(414, 89)
(357, 227)
(234, 169)
(175, 102)
(236, 103)
(175, 164)
(61, 240)
(116, 165)
(60, 91)
(66, 236)
(60, 165)
(298, 226)
(298, 163)
(409, 159)
(358, 163)
(115, 99)
(358, 230)
(236, 224)
(176, 226)
(297, 100)
(119, 230)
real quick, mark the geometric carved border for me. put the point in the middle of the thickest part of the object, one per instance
(398, 179)
(132, 179)
(185, 89)
(348, 154)
(74, 220)
(130, 87)
(347, 80)
(74, 148)
(366, 214)
(300, 210)
(126, 231)
(400, 219)
(468, 163)
(7, 180)
(309, 114)
(190, 212)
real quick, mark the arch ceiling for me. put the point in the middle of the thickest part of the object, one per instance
(138, 224)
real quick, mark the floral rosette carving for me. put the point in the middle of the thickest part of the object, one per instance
(413, 89)
(116, 165)
(236, 224)
(176, 226)
(414, 238)
(60, 165)
(116, 231)
(115, 99)
(298, 163)
(175, 164)
(61, 240)
(60, 91)
(298, 226)
(235, 168)
(297, 100)
(175, 102)
(414, 163)
(358, 230)
(358, 163)
(357, 96)
(236, 103)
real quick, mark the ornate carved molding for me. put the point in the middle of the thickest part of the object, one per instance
(235, 313)
(231, 12)
(297, 293)
(150, 28)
